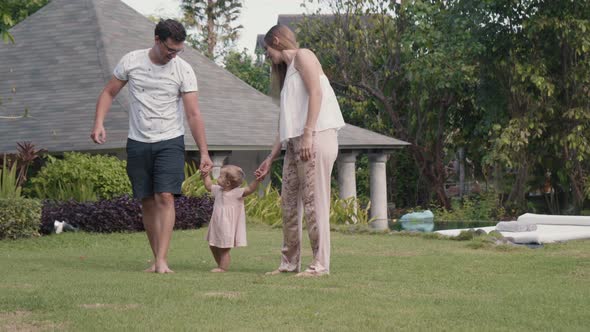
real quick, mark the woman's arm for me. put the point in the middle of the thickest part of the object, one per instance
(264, 167)
(309, 69)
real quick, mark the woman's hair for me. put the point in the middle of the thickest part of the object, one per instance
(287, 41)
(235, 175)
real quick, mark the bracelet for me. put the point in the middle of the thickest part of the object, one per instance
(307, 128)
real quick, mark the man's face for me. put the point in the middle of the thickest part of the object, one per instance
(168, 49)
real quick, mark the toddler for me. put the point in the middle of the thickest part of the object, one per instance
(227, 228)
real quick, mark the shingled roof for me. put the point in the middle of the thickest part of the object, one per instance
(65, 53)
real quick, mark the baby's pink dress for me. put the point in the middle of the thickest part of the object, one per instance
(227, 228)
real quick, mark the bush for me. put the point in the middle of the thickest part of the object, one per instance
(122, 214)
(193, 212)
(484, 207)
(81, 177)
(19, 217)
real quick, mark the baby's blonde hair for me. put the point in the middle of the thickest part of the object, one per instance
(236, 175)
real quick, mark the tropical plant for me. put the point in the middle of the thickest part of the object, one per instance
(265, 208)
(9, 187)
(26, 155)
(193, 185)
(349, 211)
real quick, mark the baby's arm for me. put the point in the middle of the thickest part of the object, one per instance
(251, 188)
(207, 181)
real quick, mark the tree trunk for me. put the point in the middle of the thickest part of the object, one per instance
(517, 194)
(461, 157)
(433, 174)
(211, 37)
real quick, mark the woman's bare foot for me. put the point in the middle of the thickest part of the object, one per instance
(218, 270)
(275, 272)
(151, 269)
(311, 273)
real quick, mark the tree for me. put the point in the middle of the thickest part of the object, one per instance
(243, 65)
(415, 60)
(538, 66)
(214, 24)
(14, 11)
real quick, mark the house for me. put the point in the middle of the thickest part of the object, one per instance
(65, 53)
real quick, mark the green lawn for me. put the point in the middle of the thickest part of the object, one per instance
(85, 282)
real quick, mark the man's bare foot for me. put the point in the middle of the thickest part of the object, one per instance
(218, 270)
(163, 268)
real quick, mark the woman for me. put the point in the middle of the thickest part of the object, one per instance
(309, 120)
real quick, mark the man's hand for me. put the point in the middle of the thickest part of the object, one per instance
(206, 164)
(98, 135)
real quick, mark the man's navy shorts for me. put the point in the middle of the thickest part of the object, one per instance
(155, 167)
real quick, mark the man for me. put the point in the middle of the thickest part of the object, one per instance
(158, 82)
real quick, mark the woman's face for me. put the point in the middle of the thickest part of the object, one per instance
(273, 54)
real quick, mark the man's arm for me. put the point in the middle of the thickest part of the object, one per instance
(103, 105)
(195, 123)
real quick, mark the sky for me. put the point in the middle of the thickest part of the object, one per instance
(257, 15)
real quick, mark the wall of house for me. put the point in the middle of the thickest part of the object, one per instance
(249, 162)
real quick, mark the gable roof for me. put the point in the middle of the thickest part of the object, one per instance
(65, 53)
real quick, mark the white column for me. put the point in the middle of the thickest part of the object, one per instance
(378, 183)
(346, 164)
(218, 159)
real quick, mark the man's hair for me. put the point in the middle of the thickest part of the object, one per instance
(170, 29)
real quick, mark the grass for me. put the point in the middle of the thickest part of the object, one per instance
(90, 282)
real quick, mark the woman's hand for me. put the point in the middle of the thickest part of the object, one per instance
(263, 169)
(306, 145)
